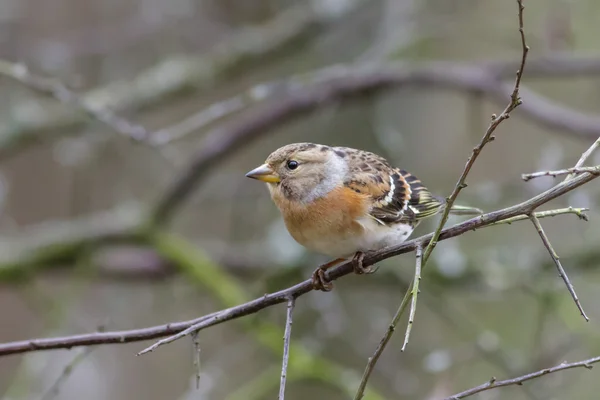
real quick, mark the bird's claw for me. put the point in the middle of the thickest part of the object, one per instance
(359, 268)
(319, 281)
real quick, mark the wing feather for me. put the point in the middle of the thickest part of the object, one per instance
(397, 196)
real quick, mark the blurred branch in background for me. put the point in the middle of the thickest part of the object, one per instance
(171, 76)
(54, 88)
(304, 93)
(53, 243)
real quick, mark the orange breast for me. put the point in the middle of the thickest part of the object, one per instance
(328, 219)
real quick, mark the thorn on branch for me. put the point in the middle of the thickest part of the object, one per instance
(561, 271)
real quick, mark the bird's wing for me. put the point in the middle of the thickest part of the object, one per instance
(396, 195)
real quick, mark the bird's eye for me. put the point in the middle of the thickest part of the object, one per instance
(292, 164)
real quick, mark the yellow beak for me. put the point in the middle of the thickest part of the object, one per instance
(264, 173)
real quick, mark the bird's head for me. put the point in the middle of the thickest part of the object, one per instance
(301, 171)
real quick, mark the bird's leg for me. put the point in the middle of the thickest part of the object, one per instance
(357, 264)
(318, 278)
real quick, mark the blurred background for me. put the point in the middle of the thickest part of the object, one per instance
(73, 193)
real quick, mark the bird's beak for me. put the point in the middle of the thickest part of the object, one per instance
(264, 173)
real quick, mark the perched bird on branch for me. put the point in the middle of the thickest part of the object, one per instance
(343, 202)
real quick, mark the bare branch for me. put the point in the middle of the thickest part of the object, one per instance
(196, 345)
(54, 88)
(198, 120)
(586, 154)
(580, 212)
(493, 383)
(286, 346)
(514, 102)
(554, 174)
(414, 294)
(553, 65)
(175, 74)
(297, 290)
(53, 241)
(561, 270)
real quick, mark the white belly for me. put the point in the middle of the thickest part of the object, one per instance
(373, 237)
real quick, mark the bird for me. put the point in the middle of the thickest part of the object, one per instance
(343, 202)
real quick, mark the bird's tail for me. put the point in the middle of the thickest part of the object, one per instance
(464, 210)
(456, 209)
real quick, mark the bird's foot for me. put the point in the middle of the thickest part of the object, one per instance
(318, 278)
(359, 268)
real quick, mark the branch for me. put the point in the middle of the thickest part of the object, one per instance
(561, 270)
(172, 75)
(297, 290)
(514, 102)
(493, 383)
(554, 174)
(197, 350)
(55, 88)
(51, 242)
(580, 212)
(586, 154)
(286, 346)
(553, 65)
(414, 295)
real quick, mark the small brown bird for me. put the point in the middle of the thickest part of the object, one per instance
(343, 202)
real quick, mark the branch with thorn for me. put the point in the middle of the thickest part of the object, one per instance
(566, 171)
(561, 271)
(494, 383)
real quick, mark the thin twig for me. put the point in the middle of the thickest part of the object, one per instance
(286, 346)
(586, 154)
(515, 101)
(572, 171)
(196, 345)
(561, 270)
(253, 306)
(414, 293)
(493, 383)
(198, 121)
(580, 212)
